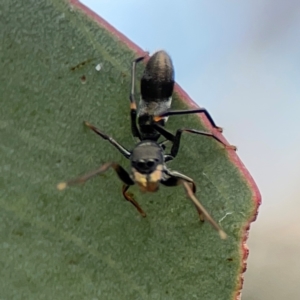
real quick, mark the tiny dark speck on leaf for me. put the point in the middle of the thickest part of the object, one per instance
(229, 259)
(80, 65)
(83, 79)
(73, 262)
(18, 232)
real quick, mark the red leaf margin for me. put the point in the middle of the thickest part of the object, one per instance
(256, 197)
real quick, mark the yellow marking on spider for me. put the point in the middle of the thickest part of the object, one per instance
(132, 105)
(155, 176)
(157, 118)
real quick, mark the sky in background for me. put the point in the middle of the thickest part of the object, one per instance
(240, 60)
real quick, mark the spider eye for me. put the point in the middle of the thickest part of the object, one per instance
(140, 164)
(150, 164)
(144, 165)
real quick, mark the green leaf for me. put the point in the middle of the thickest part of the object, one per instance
(87, 242)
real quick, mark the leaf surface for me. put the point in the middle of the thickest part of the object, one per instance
(87, 242)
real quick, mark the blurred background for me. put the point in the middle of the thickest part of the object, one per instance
(241, 61)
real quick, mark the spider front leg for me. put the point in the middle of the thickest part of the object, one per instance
(131, 199)
(175, 178)
(123, 175)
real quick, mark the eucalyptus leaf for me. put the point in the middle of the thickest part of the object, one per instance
(61, 65)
